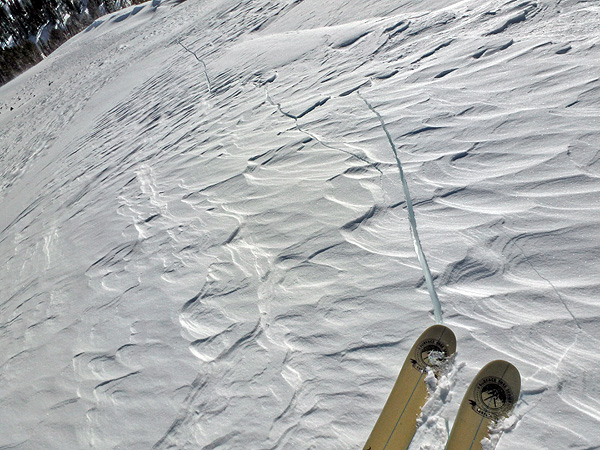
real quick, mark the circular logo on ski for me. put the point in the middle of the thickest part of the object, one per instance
(429, 353)
(493, 398)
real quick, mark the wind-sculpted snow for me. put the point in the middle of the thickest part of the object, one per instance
(205, 242)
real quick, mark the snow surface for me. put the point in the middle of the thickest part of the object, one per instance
(205, 240)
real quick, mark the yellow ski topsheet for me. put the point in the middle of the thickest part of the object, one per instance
(491, 396)
(397, 422)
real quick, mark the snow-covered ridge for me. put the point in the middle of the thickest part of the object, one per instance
(206, 244)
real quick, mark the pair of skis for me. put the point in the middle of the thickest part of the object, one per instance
(490, 397)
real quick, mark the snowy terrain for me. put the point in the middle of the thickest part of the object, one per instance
(205, 241)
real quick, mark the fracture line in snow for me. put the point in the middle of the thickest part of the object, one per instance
(312, 136)
(437, 307)
(558, 295)
(201, 62)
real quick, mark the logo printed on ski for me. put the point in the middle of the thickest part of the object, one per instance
(429, 347)
(493, 398)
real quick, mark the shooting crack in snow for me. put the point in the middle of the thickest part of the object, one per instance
(437, 307)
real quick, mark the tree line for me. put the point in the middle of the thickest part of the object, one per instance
(53, 21)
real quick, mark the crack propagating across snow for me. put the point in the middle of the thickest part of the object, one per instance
(201, 62)
(311, 135)
(552, 286)
(437, 307)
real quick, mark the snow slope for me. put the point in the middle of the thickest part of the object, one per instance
(205, 240)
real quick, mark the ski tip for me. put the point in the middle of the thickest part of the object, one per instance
(442, 332)
(508, 370)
